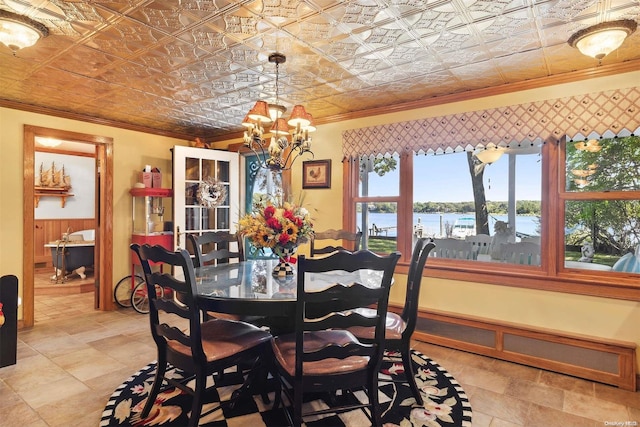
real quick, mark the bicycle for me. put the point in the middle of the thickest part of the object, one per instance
(124, 288)
(140, 297)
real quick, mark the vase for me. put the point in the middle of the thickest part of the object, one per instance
(284, 253)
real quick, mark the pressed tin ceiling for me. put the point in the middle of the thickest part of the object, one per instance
(196, 67)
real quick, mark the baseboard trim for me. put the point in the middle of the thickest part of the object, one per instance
(593, 358)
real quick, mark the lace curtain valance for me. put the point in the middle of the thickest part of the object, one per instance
(611, 113)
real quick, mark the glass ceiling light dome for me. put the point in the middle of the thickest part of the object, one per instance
(489, 155)
(18, 31)
(600, 40)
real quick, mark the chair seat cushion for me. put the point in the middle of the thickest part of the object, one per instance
(223, 338)
(394, 326)
(284, 350)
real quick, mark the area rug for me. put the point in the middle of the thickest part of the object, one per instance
(445, 402)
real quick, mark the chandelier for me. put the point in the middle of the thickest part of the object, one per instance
(18, 32)
(600, 40)
(280, 153)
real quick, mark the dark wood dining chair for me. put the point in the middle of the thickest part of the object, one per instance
(321, 355)
(200, 349)
(352, 241)
(399, 328)
(215, 246)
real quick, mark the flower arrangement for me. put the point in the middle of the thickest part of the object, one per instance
(277, 227)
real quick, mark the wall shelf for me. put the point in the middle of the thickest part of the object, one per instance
(62, 196)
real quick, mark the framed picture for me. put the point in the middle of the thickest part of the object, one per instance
(316, 174)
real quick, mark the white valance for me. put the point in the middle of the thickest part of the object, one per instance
(611, 113)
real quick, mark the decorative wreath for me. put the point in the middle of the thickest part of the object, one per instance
(211, 193)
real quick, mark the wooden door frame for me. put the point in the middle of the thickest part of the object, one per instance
(104, 215)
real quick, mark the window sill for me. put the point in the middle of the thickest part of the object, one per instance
(587, 282)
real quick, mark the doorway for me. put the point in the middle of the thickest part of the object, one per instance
(103, 215)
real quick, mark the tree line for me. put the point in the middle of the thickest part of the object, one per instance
(523, 207)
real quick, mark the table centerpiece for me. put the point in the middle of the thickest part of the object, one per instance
(279, 227)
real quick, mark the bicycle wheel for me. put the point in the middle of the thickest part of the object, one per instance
(122, 291)
(140, 298)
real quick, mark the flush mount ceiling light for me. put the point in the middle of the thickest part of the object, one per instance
(599, 40)
(18, 31)
(271, 156)
(48, 142)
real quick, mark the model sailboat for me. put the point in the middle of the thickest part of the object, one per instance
(53, 179)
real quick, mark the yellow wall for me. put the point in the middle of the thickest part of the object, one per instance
(602, 317)
(607, 318)
(131, 151)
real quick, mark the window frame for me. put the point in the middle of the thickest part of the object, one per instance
(551, 275)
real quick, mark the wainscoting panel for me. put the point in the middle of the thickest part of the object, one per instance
(593, 358)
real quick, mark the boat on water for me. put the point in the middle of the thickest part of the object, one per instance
(463, 227)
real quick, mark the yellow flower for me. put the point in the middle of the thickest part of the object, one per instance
(291, 230)
(265, 240)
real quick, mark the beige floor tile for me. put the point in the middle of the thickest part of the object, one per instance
(594, 408)
(566, 382)
(23, 351)
(20, 414)
(536, 393)
(67, 412)
(87, 364)
(107, 383)
(130, 352)
(500, 406)
(58, 346)
(8, 397)
(617, 395)
(497, 422)
(479, 377)
(32, 372)
(480, 419)
(65, 388)
(634, 414)
(549, 417)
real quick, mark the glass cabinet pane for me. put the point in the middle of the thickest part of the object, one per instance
(223, 171)
(192, 172)
(208, 168)
(223, 218)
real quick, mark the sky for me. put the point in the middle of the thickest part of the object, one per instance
(445, 178)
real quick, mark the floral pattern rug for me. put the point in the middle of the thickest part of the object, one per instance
(445, 402)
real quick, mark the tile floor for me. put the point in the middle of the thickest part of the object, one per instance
(73, 359)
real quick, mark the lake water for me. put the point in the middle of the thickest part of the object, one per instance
(434, 224)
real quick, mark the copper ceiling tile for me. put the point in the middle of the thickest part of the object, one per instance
(196, 66)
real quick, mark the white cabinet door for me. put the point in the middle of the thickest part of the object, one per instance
(193, 168)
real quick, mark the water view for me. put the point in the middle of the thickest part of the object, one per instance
(433, 224)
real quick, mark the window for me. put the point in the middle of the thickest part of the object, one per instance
(457, 200)
(602, 204)
(465, 205)
(376, 203)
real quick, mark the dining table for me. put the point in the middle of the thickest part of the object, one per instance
(248, 288)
